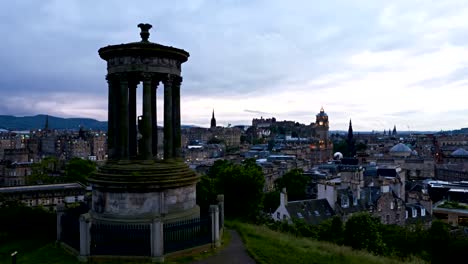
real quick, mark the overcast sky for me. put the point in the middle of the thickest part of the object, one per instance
(380, 63)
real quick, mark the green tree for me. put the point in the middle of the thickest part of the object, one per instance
(78, 170)
(341, 146)
(241, 184)
(362, 232)
(41, 172)
(215, 140)
(331, 230)
(361, 146)
(271, 201)
(295, 183)
(438, 238)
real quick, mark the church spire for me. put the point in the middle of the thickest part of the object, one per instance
(350, 130)
(350, 141)
(213, 120)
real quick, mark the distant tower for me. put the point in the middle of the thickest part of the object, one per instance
(394, 130)
(321, 125)
(350, 140)
(213, 120)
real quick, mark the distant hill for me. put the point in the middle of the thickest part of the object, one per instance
(38, 122)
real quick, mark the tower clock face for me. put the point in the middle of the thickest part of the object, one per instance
(321, 123)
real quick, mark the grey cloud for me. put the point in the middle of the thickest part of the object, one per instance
(238, 48)
(256, 112)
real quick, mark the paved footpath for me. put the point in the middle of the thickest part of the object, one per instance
(233, 253)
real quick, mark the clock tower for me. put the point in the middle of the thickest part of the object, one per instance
(321, 126)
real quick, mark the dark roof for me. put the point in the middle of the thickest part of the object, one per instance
(370, 172)
(46, 187)
(312, 211)
(369, 197)
(387, 172)
(427, 218)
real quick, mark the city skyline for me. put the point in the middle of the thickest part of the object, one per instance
(379, 64)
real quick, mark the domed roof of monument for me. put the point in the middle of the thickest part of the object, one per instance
(461, 152)
(400, 148)
(322, 112)
(143, 48)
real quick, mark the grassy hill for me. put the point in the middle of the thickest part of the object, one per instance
(267, 246)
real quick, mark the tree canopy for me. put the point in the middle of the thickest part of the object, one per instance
(362, 232)
(78, 170)
(241, 184)
(295, 183)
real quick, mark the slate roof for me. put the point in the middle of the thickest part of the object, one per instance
(312, 211)
(386, 172)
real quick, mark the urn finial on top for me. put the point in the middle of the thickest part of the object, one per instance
(144, 31)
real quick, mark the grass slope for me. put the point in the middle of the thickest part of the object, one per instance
(267, 246)
(35, 251)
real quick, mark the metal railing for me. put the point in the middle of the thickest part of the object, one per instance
(186, 234)
(71, 230)
(120, 239)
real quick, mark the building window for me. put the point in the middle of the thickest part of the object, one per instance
(392, 205)
(278, 215)
(344, 201)
(406, 215)
(423, 211)
(415, 213)
(388, 219)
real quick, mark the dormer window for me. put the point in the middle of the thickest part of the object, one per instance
(344, 201)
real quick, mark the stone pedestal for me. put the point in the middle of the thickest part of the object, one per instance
(144, 190)
(85, 237)
(60, 213)
(157, 241)
(214, 213)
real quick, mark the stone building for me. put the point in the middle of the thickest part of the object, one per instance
(98, 144)
(48, 196)
(15, 167)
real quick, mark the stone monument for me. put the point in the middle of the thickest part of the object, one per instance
(133, 184)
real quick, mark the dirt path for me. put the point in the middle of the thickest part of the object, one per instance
(234, 253)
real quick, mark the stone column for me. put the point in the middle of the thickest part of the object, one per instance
(132, 118)
(123, 116)
(85, 236)
(176, 118)
(168, 124)
(60, 213)
(147, 128)
(154, 116)
(220, 199)
(214, 213)
(111, 117)
(157, 241)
